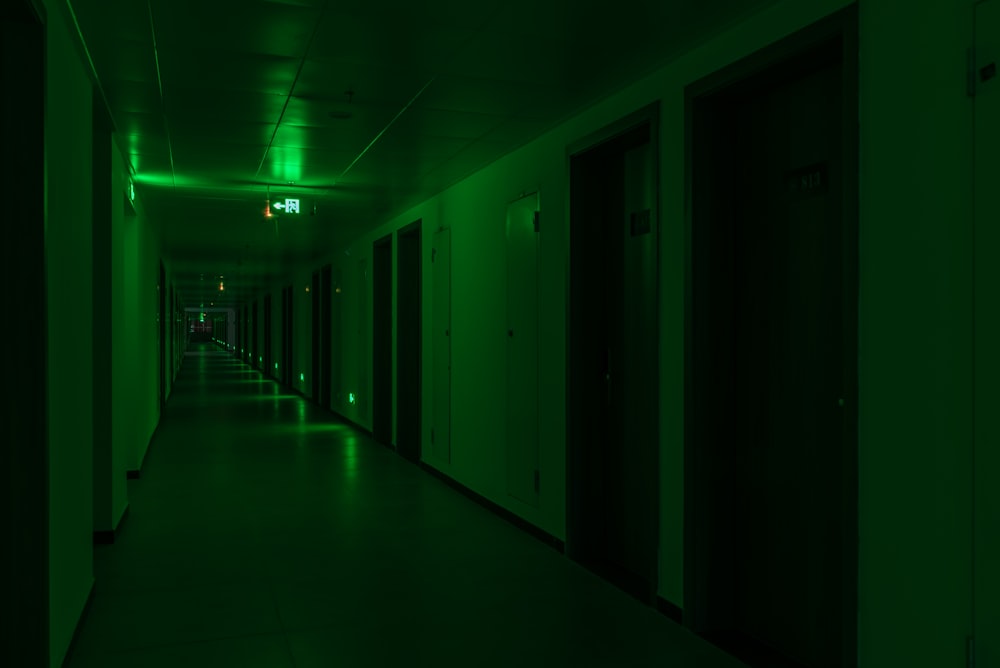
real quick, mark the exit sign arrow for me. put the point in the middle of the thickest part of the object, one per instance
(288, 206)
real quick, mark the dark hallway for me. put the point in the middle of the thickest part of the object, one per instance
(368, 332)
(264, 532)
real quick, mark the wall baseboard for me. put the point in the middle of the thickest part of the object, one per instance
(516, 520)
(79, 623)
(108, 536)
(672, 612)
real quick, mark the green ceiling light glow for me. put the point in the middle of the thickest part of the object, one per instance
(286, 157)
(166, 179)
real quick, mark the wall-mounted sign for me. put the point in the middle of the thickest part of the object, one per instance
(807, 181)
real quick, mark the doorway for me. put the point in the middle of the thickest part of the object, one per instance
(612, 355)
(382, 340)
(771, 353)
(286, 335)
(317, 327)
(320, 300)
(409, 323)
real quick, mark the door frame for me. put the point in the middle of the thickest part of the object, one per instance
(838, 30)
(649, 114)
(382, 340)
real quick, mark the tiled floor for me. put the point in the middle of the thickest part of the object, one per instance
(265, 533)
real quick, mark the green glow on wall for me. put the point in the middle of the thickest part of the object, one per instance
(275, 365)
(302, 377)
(350, 397)
(260, 359)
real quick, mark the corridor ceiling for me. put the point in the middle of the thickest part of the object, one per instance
(357, 108)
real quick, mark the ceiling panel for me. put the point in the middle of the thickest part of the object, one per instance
(424, 122)
(190, 132)
(236, 27)
(220, 71)
(130, 60)
(133, 96)
(236, 105)
(385, 38)
(343, 83)
(323, 87)
(105, 21)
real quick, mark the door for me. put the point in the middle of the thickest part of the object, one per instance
(362, 403)
(409, 323)
(239, 332)
(986, 472)
(286, 336)
(522, 349)
(255, 354)
(161, 334)
(268, 363)
(315, 290)
(382, 340)
(612, 445)
(771, 371)
(336, 337)
(324, 340)
(441, 342)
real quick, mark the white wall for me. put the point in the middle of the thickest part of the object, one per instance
(68, 238)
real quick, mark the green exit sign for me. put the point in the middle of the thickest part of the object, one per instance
(288, 206)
